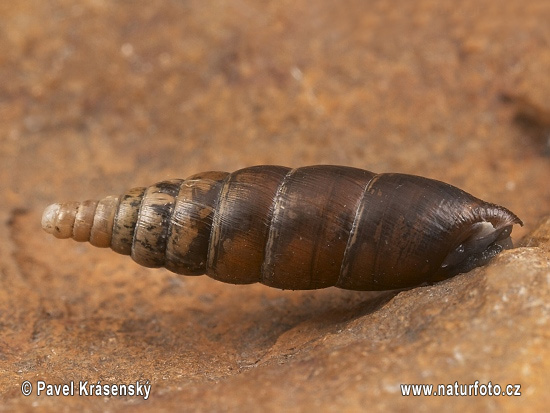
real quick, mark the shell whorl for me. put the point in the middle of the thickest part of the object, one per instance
(167, 224)
(90, 221)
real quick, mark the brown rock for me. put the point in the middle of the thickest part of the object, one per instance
(98, 97)
(531, 93)
(530, 100)
(540, 237)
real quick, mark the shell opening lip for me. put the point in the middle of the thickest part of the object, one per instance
(476, 250)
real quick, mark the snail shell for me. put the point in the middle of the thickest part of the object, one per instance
(304, 228)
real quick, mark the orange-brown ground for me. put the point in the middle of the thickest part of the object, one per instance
(100, 96)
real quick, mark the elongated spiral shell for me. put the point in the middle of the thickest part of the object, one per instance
(304, 228)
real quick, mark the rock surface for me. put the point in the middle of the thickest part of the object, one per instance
(103, 96)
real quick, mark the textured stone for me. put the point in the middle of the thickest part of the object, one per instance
(103, 96)
(533, 88)
(540, 237)
(529, 97)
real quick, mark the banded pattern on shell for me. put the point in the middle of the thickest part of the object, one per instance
(303, 228)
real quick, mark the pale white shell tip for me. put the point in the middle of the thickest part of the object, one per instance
(48, 218)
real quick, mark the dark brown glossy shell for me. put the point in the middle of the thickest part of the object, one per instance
(304, 228)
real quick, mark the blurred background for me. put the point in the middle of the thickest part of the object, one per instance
(99, 96)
